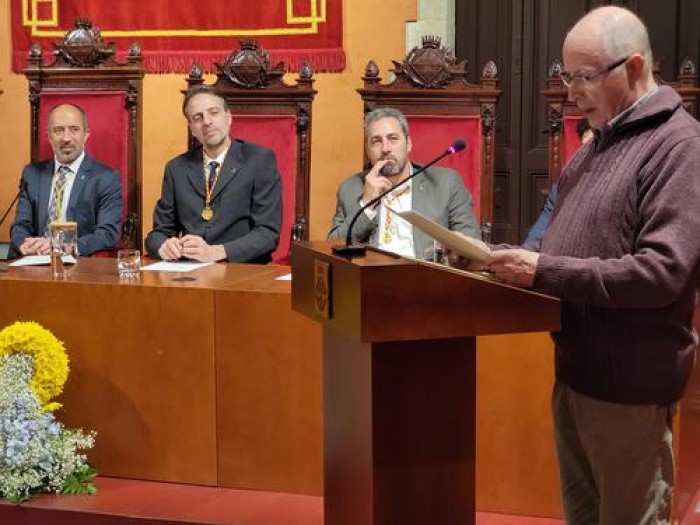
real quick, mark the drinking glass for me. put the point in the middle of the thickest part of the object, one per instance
(64, 244)
(435, 252)
(129, 263)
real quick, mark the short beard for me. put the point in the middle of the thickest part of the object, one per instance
(391, 169)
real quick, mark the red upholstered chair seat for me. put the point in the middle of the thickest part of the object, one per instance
(276, 132)
(432, 135)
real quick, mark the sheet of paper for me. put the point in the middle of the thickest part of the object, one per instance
(175, 266)
(466, 247)
(285, 277)
(39, 260)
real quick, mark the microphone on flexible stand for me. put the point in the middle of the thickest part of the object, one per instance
(350, 249)
(22, 184)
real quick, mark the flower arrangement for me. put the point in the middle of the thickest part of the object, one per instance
(37, 453)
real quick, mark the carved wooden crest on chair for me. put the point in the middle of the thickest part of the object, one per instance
(430, 87)
(268, 111)
(84, 71)
(563, 115)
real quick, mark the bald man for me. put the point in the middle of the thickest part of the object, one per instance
(622, 253)
(71, 186)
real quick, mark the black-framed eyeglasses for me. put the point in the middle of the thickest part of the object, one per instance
(568, 79)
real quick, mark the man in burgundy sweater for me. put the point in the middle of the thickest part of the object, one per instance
(622, 253)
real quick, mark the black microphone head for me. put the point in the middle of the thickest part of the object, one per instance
(457, 146)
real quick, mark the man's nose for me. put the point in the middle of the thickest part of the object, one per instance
(574, 92)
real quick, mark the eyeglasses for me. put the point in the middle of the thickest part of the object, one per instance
(568, 79)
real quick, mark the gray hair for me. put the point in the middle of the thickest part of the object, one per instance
(381, 113)
(624, 36)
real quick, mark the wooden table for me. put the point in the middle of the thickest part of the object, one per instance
(216, 381)
(209, 380)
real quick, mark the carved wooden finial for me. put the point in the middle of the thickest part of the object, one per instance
(247, 67)
(83, 46)
(490, 70)
(431, 65)
(687, 67)
(306, 71)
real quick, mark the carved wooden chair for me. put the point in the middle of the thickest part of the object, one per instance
(431, 89)
(268, 111)
(84, 72)
(563, 115)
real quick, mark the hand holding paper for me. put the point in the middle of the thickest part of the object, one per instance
(471, 249)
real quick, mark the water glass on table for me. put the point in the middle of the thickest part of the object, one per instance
(129, 263)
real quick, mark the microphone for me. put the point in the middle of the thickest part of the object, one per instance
(22, 185)
(350, 249)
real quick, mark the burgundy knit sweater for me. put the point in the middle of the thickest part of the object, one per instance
(623, 253)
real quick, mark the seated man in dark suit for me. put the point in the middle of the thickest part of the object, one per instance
(72, 186)
(221, 201)
(437, 193)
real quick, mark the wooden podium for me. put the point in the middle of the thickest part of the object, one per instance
(399, 339)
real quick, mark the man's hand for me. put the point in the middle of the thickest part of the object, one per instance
(194, 247)
(457, 261)
(515, 267)
(375, 182)
(170, 250)
(35, 246)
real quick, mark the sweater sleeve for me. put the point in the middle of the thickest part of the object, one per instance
(666, 253)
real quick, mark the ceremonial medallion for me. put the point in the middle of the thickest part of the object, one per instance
(207, 213)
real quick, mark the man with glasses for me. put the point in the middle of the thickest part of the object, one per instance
(621, 252)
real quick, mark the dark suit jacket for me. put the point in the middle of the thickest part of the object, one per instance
(247, 203)
(95, 203)
(437, 193)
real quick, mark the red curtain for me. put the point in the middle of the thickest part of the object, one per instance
(433, 135)
(277, 132)
(174, 34)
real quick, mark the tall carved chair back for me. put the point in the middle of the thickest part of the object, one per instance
(563, 115)
(84, 72)
(430, 87)
(270, 112)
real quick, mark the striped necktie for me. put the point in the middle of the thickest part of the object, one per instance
(59, 189)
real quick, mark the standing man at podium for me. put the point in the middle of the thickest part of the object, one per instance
(621, 251)
(438, 193)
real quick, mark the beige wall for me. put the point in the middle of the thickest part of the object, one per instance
(373, 30)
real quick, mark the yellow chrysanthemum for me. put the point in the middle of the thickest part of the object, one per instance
(49, 354)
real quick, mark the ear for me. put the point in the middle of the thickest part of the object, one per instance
(635, 67)
(409, 144)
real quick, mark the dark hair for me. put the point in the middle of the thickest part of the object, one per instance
(201, 90)
(582, 126)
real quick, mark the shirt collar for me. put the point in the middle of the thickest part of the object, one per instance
(74, 166)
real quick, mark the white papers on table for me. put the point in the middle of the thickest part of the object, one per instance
(175, 266)
(284, 277)
(468, 248)
(39, 260)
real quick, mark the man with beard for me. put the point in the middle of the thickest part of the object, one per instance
(221, 201)
(437, 193)
(71, 186)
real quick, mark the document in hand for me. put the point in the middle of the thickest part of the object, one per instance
(467, 247)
